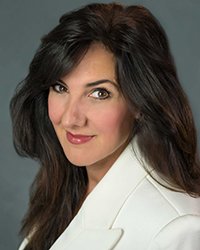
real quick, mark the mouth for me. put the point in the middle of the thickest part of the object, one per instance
(78, 139)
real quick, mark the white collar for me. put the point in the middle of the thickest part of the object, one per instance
(102, 205)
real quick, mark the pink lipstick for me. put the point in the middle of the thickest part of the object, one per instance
(78, 139)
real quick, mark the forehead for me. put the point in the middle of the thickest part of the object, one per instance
(98, 63)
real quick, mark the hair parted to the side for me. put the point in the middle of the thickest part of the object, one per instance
(147, 77)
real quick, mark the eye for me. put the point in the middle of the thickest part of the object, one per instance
(59, 88)
(100, 94)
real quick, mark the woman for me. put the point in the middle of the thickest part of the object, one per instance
(103, 112)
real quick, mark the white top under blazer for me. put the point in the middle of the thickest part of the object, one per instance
(128, 210)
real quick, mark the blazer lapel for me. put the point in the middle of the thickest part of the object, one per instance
(92, 226)
(98, 239)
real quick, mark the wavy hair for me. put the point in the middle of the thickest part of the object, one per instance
(147, 77)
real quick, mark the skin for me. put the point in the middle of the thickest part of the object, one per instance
(79, 104)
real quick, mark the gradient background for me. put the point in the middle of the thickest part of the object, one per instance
(22, 23)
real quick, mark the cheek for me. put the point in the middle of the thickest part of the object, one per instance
(114, 120)
(54, 110)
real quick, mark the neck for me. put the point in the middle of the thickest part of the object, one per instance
(95, 173)
(97, 170)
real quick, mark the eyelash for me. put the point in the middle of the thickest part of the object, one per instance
(100, 90)
(60, 88)
(57, 88)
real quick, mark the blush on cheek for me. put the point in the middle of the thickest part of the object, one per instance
(122, 124)
(54, 115)
(114, 119)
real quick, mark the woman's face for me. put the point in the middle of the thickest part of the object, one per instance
(88, 112)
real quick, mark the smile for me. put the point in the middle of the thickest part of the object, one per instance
(78, 139)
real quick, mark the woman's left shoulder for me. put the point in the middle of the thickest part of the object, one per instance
(181, 202)
(182, 233)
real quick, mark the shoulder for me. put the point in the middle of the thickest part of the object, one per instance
(153, 213)
(180, 202)
(182, 233)
(153, 199)
(157, 204)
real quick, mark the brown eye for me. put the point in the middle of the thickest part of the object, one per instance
(100, 94)
(59, 88)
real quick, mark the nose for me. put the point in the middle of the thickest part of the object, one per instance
(74, 115)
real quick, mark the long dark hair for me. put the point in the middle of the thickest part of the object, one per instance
(147, 77)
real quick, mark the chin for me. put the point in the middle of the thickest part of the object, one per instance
(79, 162)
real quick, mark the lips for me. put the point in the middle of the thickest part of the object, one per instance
(78, 139)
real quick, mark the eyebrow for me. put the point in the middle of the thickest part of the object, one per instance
(96, 83)
(92, 84)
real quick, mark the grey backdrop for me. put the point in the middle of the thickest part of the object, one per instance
(22, 23)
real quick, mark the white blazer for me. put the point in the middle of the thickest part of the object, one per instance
(128, 210)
